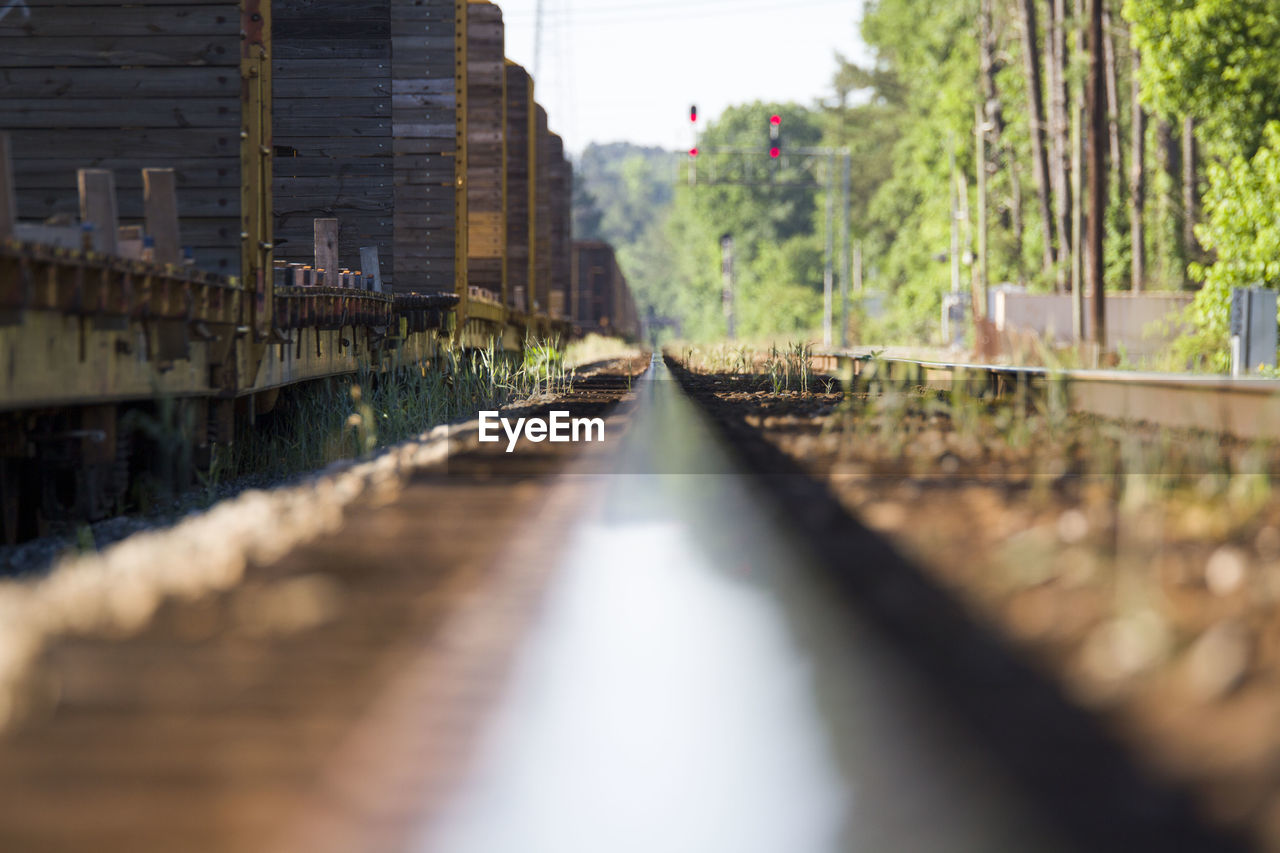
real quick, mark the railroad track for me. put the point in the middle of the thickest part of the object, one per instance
(1079, 775)
(490, 651)
(268, 711)
(1247, 408)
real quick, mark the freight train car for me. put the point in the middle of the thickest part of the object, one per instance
(560, 192)
(602, 299)
(520, 155)
(210, 202)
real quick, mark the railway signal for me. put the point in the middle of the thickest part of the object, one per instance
(775, 136)
(693, 150)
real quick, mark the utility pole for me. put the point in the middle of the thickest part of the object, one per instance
(828, 271)
(726, 287)
(980, 289)
(845, 226)
(745, 178)
(537, 39)
(955, 224)
(1097, 153)
(1079, 110)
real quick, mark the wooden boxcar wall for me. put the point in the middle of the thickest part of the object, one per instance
(331, 77)
(594, 271)
(486, 147)
(428, 124)
(519, 118)
(561, 179)
(542, 214)
(628, 324)
(126, 87)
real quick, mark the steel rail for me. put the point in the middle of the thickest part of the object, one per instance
(1247, 408)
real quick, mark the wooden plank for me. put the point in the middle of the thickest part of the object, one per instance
(192, 203)
(329, 201)
(326, 257)
(198, 172)
(418, 110)
(123, 86)
(352, 185)
(116, 51)
(330, 50)
(332, 111)
(541, 287)
(19, 83)
(342, 110)
(8, 196)
(98, 205)
(518, 104)
(323, 86)
(561, 228)
(111, 143)
(217, 114)
(162, 21)
(319, 69)
(160, 200)
(303, 133)
(78, 4)
(438, 146)
(325, 20)
(425, 136)
(371, 266)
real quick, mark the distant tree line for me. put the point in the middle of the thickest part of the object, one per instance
(1193, 178)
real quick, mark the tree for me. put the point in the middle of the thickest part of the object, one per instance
(1210, 67)
(1035, 117)
(769, 207)
(1060, 139)
(587, 216)
(1137, 178)
(1214, 60)
(1241, 228)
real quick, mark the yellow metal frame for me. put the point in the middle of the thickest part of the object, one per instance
(531, 292)
(256, 233)
(506, 296)
(460, 166)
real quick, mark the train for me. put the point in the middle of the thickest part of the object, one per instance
(209, 203)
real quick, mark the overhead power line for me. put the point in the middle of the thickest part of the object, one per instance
(666, 11)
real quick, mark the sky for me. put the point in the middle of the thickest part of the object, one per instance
(628, 70)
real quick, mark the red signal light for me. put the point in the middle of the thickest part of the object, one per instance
(693, 152)
(775, 152)
(693, 113)
(775, 120)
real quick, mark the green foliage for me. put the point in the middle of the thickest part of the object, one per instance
(618, 189)
(748, 195)
(1241, 228)
(667, 234)
(1217, 61)
(1214, 60)
(904, 115)
(769, 208)
(915, 112)
(777, 294)
(789, 368)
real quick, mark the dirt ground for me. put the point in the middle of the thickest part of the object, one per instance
(1140, 568)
